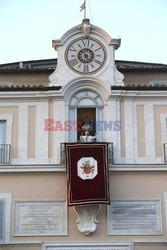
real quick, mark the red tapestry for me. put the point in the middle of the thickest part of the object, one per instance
(87, 173)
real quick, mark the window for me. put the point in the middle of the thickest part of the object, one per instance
(5, 137)
(2, 131)
(6, 83)
(158, 83)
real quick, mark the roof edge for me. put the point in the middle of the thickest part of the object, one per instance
(29, 88)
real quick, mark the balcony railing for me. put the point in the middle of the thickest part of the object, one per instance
(5, 150)
(62, 152)
(110, 152)
(165, 152)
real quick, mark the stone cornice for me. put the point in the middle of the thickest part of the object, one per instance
(61, 168)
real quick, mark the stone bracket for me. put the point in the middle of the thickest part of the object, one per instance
(86, 221)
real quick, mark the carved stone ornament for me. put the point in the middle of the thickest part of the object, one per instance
(87, 222)
(85, 27)
(118, 77)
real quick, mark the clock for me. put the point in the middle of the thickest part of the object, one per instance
(85, 55)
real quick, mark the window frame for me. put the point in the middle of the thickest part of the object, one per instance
(9, 121)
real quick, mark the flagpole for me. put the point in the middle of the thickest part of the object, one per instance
(85, 10)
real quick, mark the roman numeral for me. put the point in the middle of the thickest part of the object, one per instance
(86, 43)
(97, 49)
(98, 62)
(72, 49)
(86, 69)
(73, 62)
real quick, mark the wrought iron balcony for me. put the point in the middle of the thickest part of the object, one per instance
(165, 152)
(110, 152)
(5, 150)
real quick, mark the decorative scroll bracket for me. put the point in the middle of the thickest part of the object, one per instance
(87, 222)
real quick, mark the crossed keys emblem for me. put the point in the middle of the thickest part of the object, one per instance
(87, 168)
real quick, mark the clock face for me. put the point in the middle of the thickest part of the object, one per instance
(85, 55)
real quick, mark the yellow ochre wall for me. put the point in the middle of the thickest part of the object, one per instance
(34, 78)
(53, 186)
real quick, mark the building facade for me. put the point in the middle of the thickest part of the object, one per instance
(41, 106)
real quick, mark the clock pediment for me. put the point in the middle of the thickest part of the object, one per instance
(85, 55)
(78, 31)
(85, 50)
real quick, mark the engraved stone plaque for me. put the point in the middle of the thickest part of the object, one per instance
(135, 217)
(88, 246)
(40, 218)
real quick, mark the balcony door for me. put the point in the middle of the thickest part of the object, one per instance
(86, 116)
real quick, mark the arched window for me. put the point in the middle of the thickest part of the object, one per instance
(85, 104)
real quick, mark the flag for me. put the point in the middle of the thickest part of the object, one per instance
(83, 6)
(87, 173)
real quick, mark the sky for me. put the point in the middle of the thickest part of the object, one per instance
(27, 27)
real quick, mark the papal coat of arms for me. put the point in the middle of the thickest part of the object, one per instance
(87, 168)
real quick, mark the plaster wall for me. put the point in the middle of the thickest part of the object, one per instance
(52, 186)
(24, 79)
(31, 131)
(20, 247)
(151, 246)
(143, 77)
(143, 135)
(43, 78)
(141, 131)
(158, 110)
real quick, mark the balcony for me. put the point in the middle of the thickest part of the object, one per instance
(110, 153)
(165, 152)
(5, 150)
